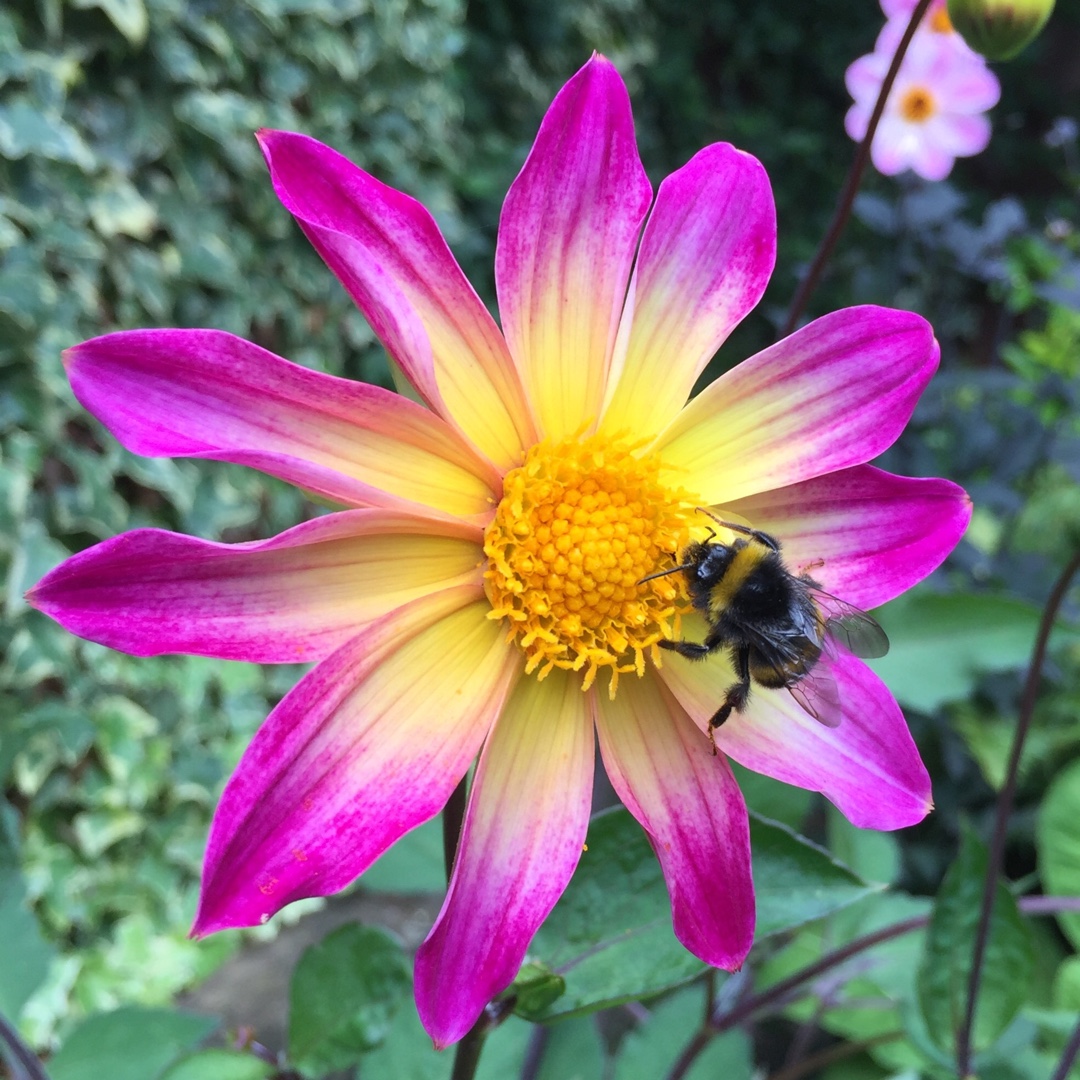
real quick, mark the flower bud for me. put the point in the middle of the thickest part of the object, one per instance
(999, 29)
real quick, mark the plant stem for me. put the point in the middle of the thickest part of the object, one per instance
(1004, 811)
(24, 1064)
(452, 817)
(467, 1051)
(833, 1054)
(852, 181)
(1072, 1048)
(743, 1010)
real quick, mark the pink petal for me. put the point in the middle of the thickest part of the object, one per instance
(523, 835)
(931, 160)
(962, 136)
(207, 394)
(295, 597)
(865, 535)
(663, 769)
(868, 765)
(388, 252)
(567, 236)
(833, 394)
(896, 144)
(367, 746)
(705, 259)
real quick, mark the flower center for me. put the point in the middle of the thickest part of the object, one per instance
(579, 525)
(940, 22)
(917, 105)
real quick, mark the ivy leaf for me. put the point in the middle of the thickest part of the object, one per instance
(343, 995)
(950, 940)
(26, 954)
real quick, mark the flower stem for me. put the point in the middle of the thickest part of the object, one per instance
(452, 817)
(1004, 811)
(467, 1051)
(852, 181)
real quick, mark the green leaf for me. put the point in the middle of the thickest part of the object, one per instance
(573, 1050)
(407, 1053)
(652, 1049)
(873, 855)
(1058, 844)
(343, 995)
(128, 1044)
(939, 645)
(219, 1065)
(950, 941)
(772, 799)
(796, 881)
(610, 935)
(536, 988)
(413, 864)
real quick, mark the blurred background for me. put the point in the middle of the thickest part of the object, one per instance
(132, 194)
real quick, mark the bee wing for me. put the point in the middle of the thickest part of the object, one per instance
(858, 632)
(818, 695)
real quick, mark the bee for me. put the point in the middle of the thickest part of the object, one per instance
(775, 624)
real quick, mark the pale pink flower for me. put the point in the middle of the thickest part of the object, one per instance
(487, 566)
(935, 111)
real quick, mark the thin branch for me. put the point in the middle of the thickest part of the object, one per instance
(24, 1064)
(852, 181)
(1004, 811)
(833, 1054)
(1069, 1056)
(785, 989)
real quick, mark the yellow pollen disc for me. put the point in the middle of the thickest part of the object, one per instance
(917, 105)
(940, 22)
(579, 525)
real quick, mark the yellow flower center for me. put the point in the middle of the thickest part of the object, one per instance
(917, 105)
(940, 22)
(579, 525)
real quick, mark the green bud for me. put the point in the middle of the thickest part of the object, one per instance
(999, 29)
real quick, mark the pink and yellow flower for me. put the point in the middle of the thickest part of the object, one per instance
(934, 112)
(480, 597)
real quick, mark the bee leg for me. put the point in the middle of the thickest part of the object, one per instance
(690, 649)
(737, 696)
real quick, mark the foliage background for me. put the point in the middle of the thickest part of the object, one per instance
(132, 194)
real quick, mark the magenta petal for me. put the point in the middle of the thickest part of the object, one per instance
(835, 393)
(295, 597)
(208, 394)
(688, 802)
(865, 535)
(567, 235)
(705, 259)
(367, 746)
(523, 835)
(388, 252)
(868, 765)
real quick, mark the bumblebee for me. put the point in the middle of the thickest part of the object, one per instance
(776, 625)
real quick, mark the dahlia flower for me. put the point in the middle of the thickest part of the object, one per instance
(934, 112)
(481, 595)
